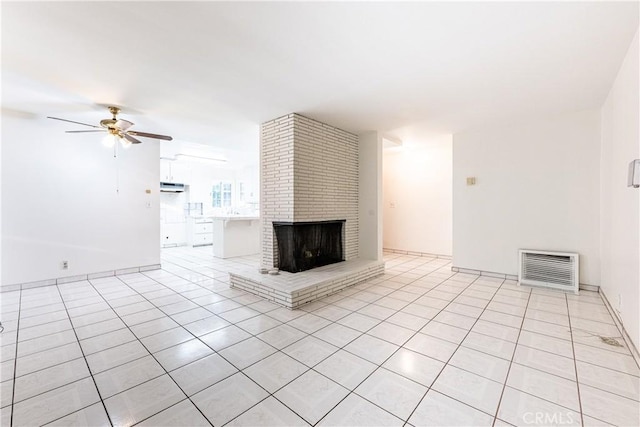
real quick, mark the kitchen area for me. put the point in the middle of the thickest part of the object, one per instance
(209, 198)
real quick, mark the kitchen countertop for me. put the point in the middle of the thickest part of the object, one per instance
(235, 218)
(229, 217)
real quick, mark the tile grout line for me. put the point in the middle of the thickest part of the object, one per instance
(380, 321)
(327, 357)
(505, 313)
(212, 314)
(575, 362)
(379, 366)
(151, 354)
(515, 348)
(454, 352)
(182, 326)
(633, 350)
(15, 363)
(567, 340)
(85, 361)
(239, 371)
(495, 291)
(309, 368)
(183, 274)
(48, 367)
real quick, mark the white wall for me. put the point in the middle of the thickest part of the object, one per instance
(620, 205)
(370, 195)
(59, 202)
(537, 188)
(200, 177)
(417, 181)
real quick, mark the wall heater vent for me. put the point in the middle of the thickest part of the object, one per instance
(557, 270)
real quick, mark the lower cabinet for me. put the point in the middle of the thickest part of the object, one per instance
(200, 231)
(172, 234)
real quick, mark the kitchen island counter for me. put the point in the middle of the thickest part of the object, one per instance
(235, 236)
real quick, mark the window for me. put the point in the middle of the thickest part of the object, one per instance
(226, 194)
(221, 194)
(241, 195)
(216, 194)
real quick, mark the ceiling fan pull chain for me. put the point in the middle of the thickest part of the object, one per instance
(115, 160)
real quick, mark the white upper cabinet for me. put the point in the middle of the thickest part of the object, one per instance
(174, 171)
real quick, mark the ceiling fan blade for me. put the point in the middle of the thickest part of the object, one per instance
(123, 125)
(129, 138)
(71, 121)
(84, 131)
(150, 135)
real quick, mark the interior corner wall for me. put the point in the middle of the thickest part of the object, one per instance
(417, 194)
(370, 195)
(537, 187)
(620, 205)
(59, 203)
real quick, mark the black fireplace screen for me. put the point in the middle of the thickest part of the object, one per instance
(306, 245)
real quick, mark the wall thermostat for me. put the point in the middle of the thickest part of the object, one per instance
(634, 174)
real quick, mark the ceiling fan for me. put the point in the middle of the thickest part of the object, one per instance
(118, 130)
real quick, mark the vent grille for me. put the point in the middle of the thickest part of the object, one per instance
(557, 270)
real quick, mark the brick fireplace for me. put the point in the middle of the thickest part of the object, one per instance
(312, 211)
(309, 173)
(306, 245)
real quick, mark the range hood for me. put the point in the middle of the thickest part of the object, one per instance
(171, 187)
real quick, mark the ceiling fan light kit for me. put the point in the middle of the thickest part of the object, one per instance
(117, 130)
(111, 139)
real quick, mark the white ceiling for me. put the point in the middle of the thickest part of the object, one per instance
(208, 72)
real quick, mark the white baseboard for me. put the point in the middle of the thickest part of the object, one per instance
(78, 278)
(583, 286)
(592, 288)
(485, 273)
(414, 253)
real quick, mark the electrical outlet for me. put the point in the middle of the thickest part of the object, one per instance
(64, 265)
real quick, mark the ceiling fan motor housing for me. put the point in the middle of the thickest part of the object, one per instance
(108, 123)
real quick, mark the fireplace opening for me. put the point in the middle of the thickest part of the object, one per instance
(306, 245)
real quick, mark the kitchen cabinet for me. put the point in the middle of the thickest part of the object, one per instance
(174, 171)
(172, 234)
(200, 231)
(165, 170)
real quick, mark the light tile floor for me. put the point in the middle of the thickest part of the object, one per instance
(419, 346)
